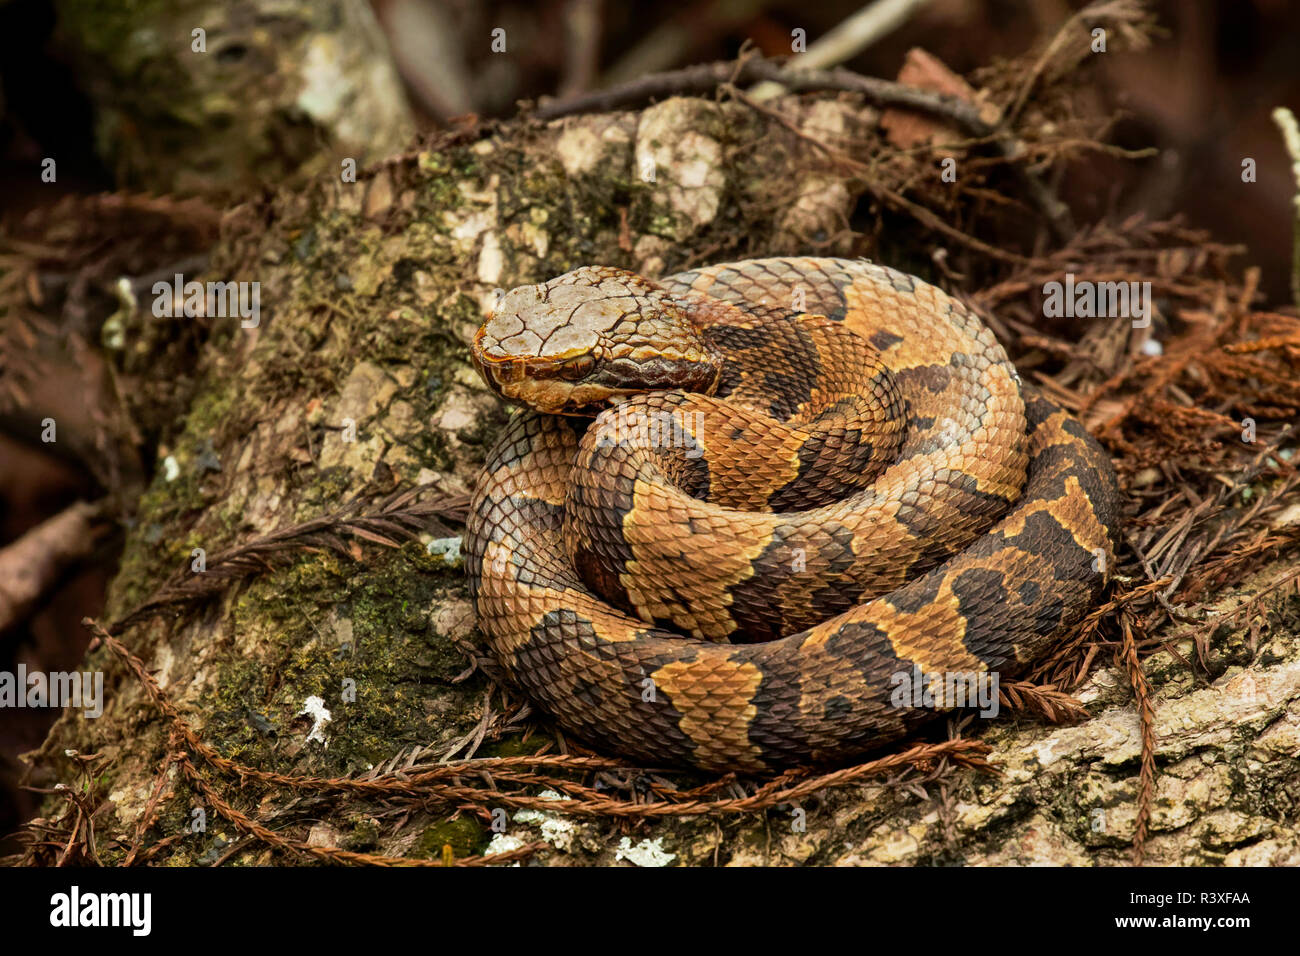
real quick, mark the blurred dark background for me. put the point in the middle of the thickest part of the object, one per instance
(126, 112)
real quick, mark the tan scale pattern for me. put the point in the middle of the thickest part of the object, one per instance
(969, 552)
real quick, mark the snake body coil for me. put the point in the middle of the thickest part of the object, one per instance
(807, 483)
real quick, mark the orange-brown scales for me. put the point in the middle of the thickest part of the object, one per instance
(804, 477)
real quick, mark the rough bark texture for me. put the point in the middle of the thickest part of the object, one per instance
(264, 91)
(369, 293)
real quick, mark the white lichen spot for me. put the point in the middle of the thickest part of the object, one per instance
(490, 260)
(171, 468)
(578, 150)
(448, 549)
(536, 237)
(687, 164)
(468, 228)
(501, 843)
(315, 708)
(457, 412)
(645, 853)
(556, 831)
(325, 87)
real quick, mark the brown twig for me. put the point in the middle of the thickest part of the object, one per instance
(386, 523)
(706, 77)
(34, 564)
(1147, 721)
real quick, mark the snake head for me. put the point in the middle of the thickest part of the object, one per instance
(591, 338)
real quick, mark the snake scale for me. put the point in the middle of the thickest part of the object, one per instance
(740, 501)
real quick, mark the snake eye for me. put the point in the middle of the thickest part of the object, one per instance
(577, 368)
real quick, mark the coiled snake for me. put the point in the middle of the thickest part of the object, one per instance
(805, 478)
